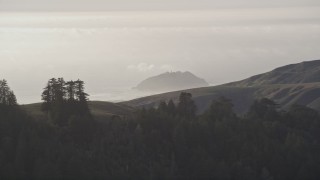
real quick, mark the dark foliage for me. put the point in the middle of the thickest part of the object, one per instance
(63, 100)
(7, 96)
(170, 142)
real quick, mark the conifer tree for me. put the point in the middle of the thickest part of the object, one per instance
(53, 84)
(7, 96)
(264, 109)
(47, 97)
(64, 99)
(12, 100)
(70, 90)
(186, 107)
(82, 97)
(60, 90)
(171, 107)
(220, 109)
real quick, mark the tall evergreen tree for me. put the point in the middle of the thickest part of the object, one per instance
(12, 100)
(82, 97)
(264, 109)
(186, 107)
(70, 90)
(53, 86)
(7, 96)
(60, 90)
(80, 94)
(3, 91)
(47, 97)
(220, 109)
(61, 100)
(171, 108)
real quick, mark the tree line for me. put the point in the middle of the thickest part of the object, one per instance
(64, 99)
(170, 141)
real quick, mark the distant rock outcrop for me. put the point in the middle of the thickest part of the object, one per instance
(171, 81)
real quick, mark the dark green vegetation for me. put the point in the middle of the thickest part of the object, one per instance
(65, 101)
(69, 98)
(7, 96)
(99, 110)
(288, 85)
(170, 142)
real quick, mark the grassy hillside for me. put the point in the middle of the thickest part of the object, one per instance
(288, 85)
(305, 72)
(99, 109)
(242, 97)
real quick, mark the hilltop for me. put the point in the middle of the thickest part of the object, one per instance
(287, 85)
(171, 81)
(301, 73)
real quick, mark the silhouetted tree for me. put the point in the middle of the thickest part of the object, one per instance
(264, 109)
(82, 97)
(71, 90)
(220, 109)
(186, 107)
(302, 117)
(7, 96)
(171, 108)
(53, 87)
(61, 89)
(47, 97)
(64, 99)
(153, 144)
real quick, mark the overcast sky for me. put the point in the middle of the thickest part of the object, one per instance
(112, 51)
(94, 5)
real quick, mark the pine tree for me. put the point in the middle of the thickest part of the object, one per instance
(60, 90)
(52, 84)
(220, 109)
(80, 94)
(12, 100)
(3, 91)
(186, 107)
(171, 108)
(47, 97)
(63, 100)
(264, 109)
(82, 97)
(7, 96)
(70, 90)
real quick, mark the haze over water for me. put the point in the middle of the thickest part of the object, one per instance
(113, 51)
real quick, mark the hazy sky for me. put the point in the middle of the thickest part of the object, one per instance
(88, 5)
(220, 41)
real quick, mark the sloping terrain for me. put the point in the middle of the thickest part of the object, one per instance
(99, 109)
(288, 85)
(305, 72)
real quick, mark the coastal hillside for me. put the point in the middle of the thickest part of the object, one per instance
(287, 85)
